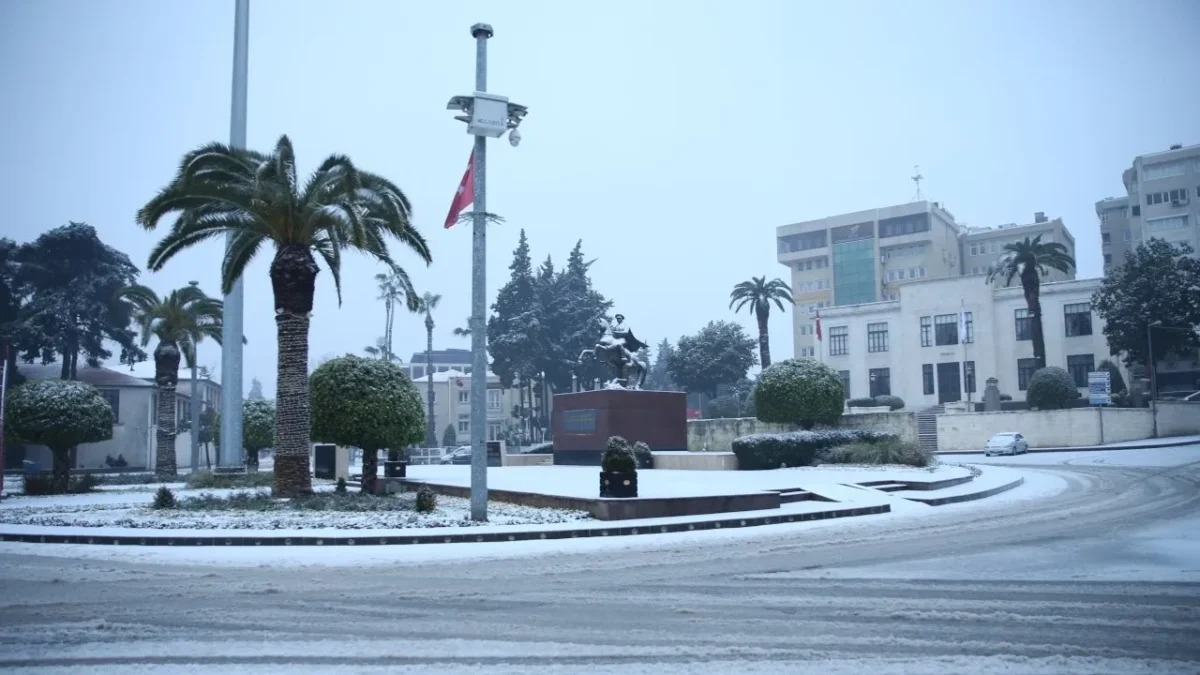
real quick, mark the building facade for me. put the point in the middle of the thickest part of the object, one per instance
(872, 256)
(910, 347)
(452, 404)
(443, 360)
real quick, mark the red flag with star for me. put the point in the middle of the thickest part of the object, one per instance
(465, 193)
(819, 325)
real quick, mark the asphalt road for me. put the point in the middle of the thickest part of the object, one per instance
(1097, 579)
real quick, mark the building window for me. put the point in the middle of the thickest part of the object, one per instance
(1104, 217)
(1127, 234)
(839, 341)
(945, 329)
(1024, 324)
(464, 396)
(1078, 316)
(894, 227)
(926, 331)
(1168, 223)
(969, 376)
(927, 378)
(970, 322)
(877, 337)
(493, 399)
(845, 377)
(881, 381)
(1079, 365)
(1105, 238)
(464, 426)
(802, 242)
(113, 396)
(493, 431)
(1136, 209)
(1025, 370)
(1164, 170)
(854, 266)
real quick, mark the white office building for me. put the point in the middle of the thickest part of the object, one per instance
(910, 347)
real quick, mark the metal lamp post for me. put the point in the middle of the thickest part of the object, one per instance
(229, 452)
(486, 115)
(195, 404)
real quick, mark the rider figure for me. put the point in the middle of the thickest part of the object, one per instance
(614, 335)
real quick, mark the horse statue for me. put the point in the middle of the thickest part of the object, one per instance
(620, 349)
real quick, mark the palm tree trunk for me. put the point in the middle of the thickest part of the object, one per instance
(764, 340)
(370, 465)
(293, 279)
(431, 439)
(166, 376)
(1032, 289)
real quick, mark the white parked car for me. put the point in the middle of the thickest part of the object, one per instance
(460, 455)
(1007, 443)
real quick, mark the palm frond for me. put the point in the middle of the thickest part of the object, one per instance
(241, 250)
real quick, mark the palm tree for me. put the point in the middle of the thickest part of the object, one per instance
(758, 294)
(428, 303)
(1030, 260)
(464, 332)
(178, 321)
(257, 199)
(392, 288)
(380, 350)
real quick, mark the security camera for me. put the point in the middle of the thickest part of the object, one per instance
(514, 138)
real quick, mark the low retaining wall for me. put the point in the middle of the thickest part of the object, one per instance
(716, 435)
(528, 459)
(1068, 428)
(622, 509)
(696, 461)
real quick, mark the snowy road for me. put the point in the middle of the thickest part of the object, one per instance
(1101, 577)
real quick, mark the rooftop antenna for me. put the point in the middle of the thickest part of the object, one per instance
(917, 178)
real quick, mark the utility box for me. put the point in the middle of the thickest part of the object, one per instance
(489, 115)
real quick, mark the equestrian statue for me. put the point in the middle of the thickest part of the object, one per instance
(621, 350)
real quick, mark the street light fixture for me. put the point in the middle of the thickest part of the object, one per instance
(487, 116)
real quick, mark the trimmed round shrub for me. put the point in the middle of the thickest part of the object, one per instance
(861, 403)
(618, 457)
(1005, 397)
(796, 448)
(58, 414)
(645, 458)
(1051, 388)
(365, 403)
(799, 391)
(892, 402)
(888, 451)
(426, 499)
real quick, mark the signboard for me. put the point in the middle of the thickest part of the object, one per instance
(325, 461)
(1099, 388)
(495, 452)
(853, 232)
(579, 421)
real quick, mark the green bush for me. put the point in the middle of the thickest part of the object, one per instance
(1051, 388)
(799, 391)
(542, 448)
(1006, 397)
(1115, 381)
(164, 499)
(889, 451)
(128, 479)
(340, 488)
(892, 402)
(82, 484)
(426, 499)
(618, 457)
(218, 481)
(796, 448)
(860, 403)
(724, 407)
(43, 483)
(645, 458)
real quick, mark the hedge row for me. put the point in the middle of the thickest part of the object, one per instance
(796, 448)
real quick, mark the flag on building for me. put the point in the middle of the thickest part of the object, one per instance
(962, 323)
(819, 325)
(465, 193)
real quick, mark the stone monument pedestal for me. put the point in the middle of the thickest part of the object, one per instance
(583, 421)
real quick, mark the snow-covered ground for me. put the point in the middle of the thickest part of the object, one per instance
(1169, 456)
(583, 481)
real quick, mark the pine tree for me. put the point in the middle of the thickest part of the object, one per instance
(515, 327)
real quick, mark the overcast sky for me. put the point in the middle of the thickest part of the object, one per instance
(672, 137)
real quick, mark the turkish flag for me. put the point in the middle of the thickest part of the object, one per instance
(819, 326)
(465, 193)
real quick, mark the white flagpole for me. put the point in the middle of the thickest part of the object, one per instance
(962, 337)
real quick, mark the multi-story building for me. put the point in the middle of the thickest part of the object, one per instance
(443, 360)
(871, 256)
(1162, 200)
(910, 347)
(452, 403)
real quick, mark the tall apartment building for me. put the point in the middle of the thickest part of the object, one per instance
(1162, 200)
(869, 256)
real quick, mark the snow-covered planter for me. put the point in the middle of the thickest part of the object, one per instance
(868, 409)
(618, 469)
(796, 448)
(58, 414)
